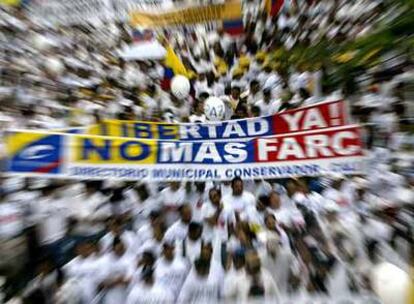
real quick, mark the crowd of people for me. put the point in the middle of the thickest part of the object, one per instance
(81, 242)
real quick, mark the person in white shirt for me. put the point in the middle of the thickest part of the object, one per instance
(216, 219)
(116, 229)
(259, 283)
(191, 246)
(235, 276)
(239, 200)
(178, 231)
(170, 270)
(277, 260)
(171, 198)
(85, 268)
(198, 115)
(253, 95)
(52, 214)
(117, 267)
(267, 107)
(89, 221)
(148, 291)
(201, 285)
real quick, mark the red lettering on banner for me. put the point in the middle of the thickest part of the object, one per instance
(330, 143)
(319, 116)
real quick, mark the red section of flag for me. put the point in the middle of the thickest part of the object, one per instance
(274, 6)
(233, 27)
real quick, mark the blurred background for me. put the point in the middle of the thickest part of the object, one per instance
(75, 63)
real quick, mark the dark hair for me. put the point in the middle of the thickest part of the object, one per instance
(117, 240)
(264, 199)
(236, 179)
(194, 226)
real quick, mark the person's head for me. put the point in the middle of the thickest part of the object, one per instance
(151, 90)
(147, 276)
(200, 186)
(147, 259)
(202, 267)
(253, 265)
(118, 246)
(267, 95)
(203, 97)
(155, 217)
(255, 111)
(254, 86)
(215, 196)
(291, 187)
(270, 221)
(168, 251)
(185, 213)
(239, 260)
(84, 249)
(158, 231)
(235, 92)
(304, 94)
(198, 107)
(206, 251)
(92, 186)
(274, 200)
(261, 203)
(143, 192)
(174, 186)
(273, 244)
(237, 186)
(194, 231)
(115, 226)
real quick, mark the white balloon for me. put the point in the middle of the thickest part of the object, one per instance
(54, 66)
(390, 283)
(214, 108)
(41, 42)
(180, 86)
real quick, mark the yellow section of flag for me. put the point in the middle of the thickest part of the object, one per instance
(175, 63)
(10, 2)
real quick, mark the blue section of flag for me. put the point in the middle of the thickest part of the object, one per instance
(142, 35)
(233, 27)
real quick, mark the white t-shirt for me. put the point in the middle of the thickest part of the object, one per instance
(51, 215)
(11, 220)
(177, 232)
(172, 200)
(270, 108)
(220, 229)
(171, 275)
(239, 203)
(113, 267)
(156, 294)
(127, 237)
(198, 289)
(88, 273)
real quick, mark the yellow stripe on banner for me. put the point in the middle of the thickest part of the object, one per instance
(135, 129)
(188, 15)
(105, 150)
(15, 142)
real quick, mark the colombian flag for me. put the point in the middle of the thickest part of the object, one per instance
(173, 66)
(273, 7)
(233, 27)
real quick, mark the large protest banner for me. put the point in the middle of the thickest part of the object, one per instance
(317, 116)
(187, 15)
(98, 157)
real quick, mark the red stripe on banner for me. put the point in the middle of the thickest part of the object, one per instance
(48, 168)
(318, 116)
(321, 144)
